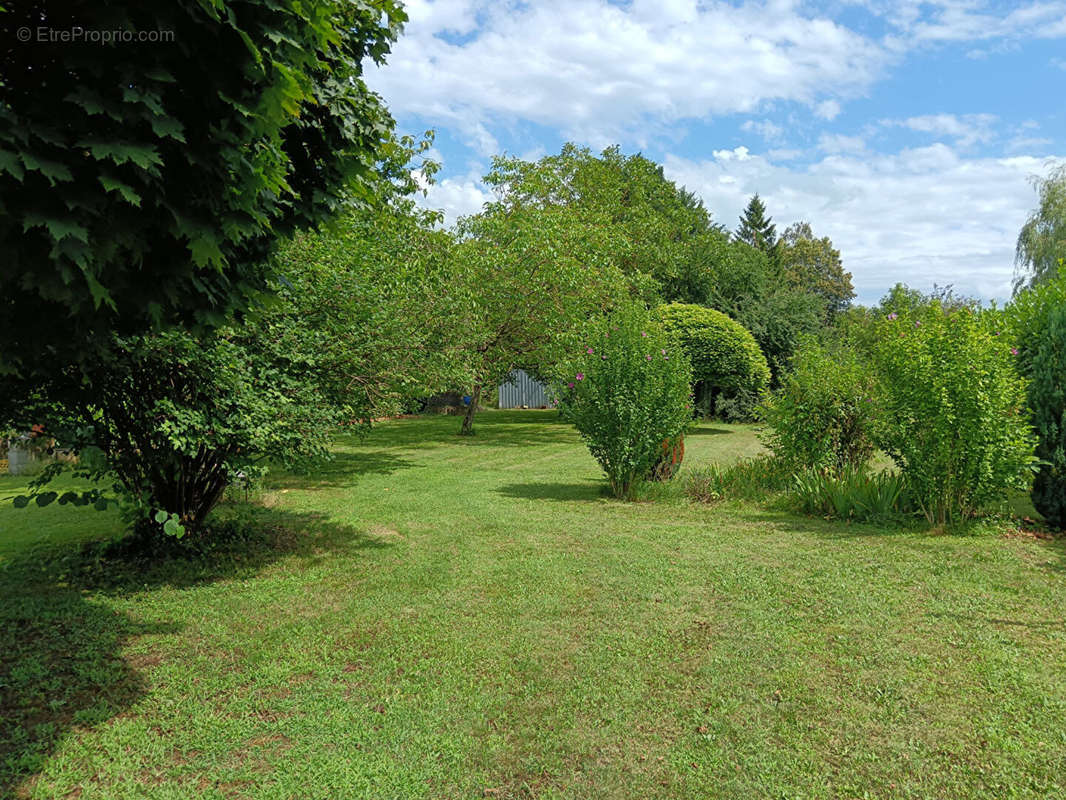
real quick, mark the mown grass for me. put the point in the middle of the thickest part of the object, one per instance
(446, 617)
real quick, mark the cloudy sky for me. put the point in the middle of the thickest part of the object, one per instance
(906, 131)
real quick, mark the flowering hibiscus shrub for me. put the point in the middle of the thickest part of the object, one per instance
(822, 415)
(952, 411)
(627, 392)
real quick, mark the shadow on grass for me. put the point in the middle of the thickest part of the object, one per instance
(704, 430)
(1057, 548)
(970, 619)
(61, 664)
(491, 429)
(343, 469)
(566, 492)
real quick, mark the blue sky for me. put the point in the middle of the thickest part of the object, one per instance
(906, 131)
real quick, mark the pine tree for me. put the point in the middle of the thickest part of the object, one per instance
(758, 230)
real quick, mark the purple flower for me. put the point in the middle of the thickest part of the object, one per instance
(604, 357)
(663, 352)
(917, 323)
(570, 385)
(580, 376)
(643, 333)
(1014, 351)
(648, 356)
(893, 315)
(589, 351)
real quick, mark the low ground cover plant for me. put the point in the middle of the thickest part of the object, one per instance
(627, 392)
(747, 479)
(852, 494)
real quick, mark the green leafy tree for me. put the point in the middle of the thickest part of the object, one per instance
(814, 265)
(1042, 240)
(726, 359)
(627, 392)
(146, 183)
(168, 420)
(739, 280)
(952, 408)
(528, 277)
(1038, 316)
(370, 301)
(658, 220)
(757, 230)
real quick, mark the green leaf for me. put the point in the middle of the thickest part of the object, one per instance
(99, 292)
(58, 229)
(21, 501)
(68, 497)
(168, 127)
(173, 528)
(112, 185)
(161, 516)
(205, 250)
(9, 162)
(52, 170)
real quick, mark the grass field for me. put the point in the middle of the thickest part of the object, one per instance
(432, 616)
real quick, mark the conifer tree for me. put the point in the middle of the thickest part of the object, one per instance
(758, 230)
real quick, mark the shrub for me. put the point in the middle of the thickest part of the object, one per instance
(1039, 320)
(952, 415)
(822, 415)
(851, 493)
(726, 360)
(627, 393)
(747, 479)
(176, 419)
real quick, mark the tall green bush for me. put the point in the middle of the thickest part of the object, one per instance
(627, 393)
(1039, 320)
(822, 416)
(952, 408)
(726, 360)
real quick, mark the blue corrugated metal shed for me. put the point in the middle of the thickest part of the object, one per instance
(522, 390)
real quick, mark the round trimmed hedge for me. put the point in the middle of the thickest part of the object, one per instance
(726, 359)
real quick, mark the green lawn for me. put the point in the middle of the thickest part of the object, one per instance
(434, 616)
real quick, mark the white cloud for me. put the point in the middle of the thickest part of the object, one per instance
(768, 130)
(827, 109)
(919, 216)
(839, 143)
(967, 130)
(597, 70)
(972, 20)
(458, 196)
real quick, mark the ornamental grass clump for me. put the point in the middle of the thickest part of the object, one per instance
(627, 391)
(952, 413)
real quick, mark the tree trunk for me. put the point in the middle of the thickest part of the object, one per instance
(468, 420)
